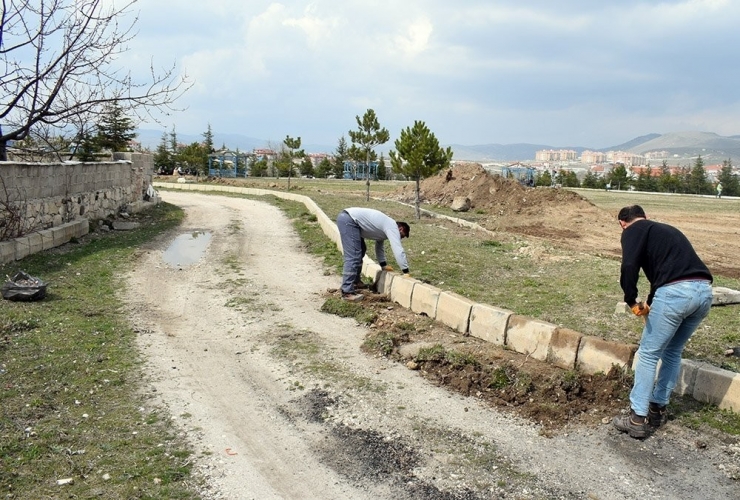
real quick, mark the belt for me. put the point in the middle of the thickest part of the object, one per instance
(690, 278)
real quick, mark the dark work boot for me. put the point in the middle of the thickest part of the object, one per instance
(657, 415)
(633, 424)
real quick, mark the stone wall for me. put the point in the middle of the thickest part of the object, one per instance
(52, 194)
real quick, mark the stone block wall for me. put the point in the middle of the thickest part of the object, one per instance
(52, 194)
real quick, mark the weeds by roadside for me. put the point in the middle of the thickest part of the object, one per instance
(74, 422)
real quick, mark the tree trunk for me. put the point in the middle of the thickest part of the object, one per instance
(367, 176)
(417, 202)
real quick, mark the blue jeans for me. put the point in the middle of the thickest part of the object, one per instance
(675, 313)
(353, 246)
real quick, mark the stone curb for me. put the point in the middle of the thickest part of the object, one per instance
(18, 248)
(541, 340)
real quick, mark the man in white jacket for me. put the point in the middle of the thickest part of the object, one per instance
(355, 225)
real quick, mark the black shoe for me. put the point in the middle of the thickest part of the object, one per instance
(361, 285)
(657, 415)
(633, 424)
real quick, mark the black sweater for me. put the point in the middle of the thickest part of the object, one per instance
(663, 253)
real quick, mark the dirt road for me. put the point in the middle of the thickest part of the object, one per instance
(280, 402)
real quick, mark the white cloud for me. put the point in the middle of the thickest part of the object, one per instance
(481, 71)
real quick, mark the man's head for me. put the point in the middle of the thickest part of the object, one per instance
(629, 214)
(404, 229)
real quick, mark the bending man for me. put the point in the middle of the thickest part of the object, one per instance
(680, 298)
(355, 224)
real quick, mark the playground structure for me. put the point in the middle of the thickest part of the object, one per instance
(357, 170)
(522, 173)
(227, 163)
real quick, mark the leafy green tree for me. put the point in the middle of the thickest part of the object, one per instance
(366, 137)
(115, 129)
(207, 149)
(618, 177)
(259, 168)
(324, 168)
(163, 158)
(570, 179)
(382, 172)
(666, 182)
(567, 178)
(683, 180)
(418, 155)
(697, 179)
(646, 181)
(591, 181)
(544, 179)
(87, 146)
(307, 167)
(341, 154)
(730, 183)
(193, 158)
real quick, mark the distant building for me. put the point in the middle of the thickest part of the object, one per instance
(555, 155)
(593, 157)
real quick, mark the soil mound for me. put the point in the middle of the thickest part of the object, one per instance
(489, 192)
(502, 204)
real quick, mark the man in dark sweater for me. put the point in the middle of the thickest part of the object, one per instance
(679, 299)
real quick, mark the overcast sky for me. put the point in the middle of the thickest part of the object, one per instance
(567, 73)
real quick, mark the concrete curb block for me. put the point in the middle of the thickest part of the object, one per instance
(687, 377)
(489, 323)
(723, 296)
(564, 345)
(717, 386)
(424, 299)
(543, 341)
(402, 290)
(599, 355)
(454, 310)
(29, 244)
(529, 336)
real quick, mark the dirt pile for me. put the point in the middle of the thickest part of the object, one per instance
(489, 192)
(501, 204)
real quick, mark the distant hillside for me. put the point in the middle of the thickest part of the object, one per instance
(692, 144)
(633, 144)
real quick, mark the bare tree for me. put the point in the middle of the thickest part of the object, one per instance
(57, 67)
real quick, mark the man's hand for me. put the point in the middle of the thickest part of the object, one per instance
(387, 268)
(641, 309)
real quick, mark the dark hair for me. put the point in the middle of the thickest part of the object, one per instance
(628, 214)
(405, 227)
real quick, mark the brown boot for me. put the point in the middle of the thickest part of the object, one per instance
(633, 424)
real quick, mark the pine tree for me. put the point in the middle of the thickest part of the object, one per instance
(730, 183)
(115, 129)
(341, 154)
(366, 137)
(418, 155)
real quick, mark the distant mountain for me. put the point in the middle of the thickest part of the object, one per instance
(679, 145)
(692, 144)
(634, 143)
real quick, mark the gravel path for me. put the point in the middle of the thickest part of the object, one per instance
(279, 401)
